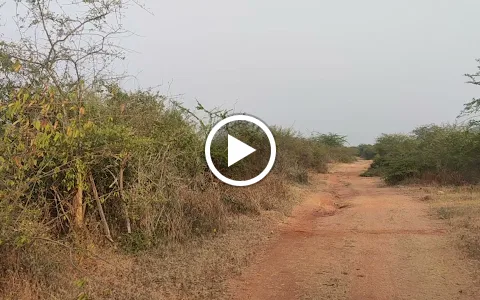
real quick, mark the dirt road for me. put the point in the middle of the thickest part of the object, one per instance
(354, 239)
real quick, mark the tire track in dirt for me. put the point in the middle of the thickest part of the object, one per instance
(381, 244)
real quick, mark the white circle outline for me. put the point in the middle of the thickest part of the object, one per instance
(271, 161)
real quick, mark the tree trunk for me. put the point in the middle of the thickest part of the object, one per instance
(122, 199)
(100, 209)
(78, 208)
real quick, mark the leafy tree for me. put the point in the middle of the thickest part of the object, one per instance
(61, 57)
(330, 139)
(472, 108)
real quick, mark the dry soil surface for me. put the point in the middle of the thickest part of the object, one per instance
(354, 238)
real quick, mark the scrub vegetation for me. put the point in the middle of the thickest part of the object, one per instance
(444, 161)
(445, 154)
(366, 151)
(104, 192)
(442, 154)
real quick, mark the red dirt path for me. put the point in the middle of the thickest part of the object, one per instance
(354, 239)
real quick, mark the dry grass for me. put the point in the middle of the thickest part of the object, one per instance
(39, 272)
(194, 269)
(460, 208)
(272, 193)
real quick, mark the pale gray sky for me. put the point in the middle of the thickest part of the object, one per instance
(359, 68)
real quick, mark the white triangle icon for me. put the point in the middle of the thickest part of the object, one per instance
(237, 150)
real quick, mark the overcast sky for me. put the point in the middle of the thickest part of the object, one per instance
(359, 68)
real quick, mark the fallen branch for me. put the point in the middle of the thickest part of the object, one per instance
(100, 209)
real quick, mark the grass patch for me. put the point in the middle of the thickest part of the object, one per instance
(460, 207)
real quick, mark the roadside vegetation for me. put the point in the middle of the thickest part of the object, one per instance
(459, 207)
(441, 154)
(104, 192)
(444, 160)
(446, 154)
(366, 151)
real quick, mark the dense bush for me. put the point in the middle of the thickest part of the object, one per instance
(442, 154)
(366, 151)
(298, 155)
(336, 149)
(127, 157)
(82, 159)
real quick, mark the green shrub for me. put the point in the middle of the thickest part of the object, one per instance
(128, 166)
(441, 154)
(140, 156)
(298, 154)
(366, 151)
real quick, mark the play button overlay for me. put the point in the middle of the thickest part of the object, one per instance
(240, 150)
(237, 150)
